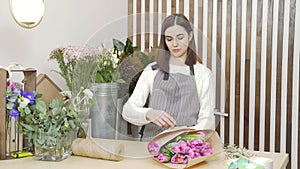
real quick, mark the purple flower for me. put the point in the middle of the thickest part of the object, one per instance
(163, 158)
(179, 159)
(153, 148)
(16, 91)
(28, 95)
(14, 113)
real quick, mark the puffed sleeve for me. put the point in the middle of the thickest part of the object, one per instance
(206, 118)
(134, 110)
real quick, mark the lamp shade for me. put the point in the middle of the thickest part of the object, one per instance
(27, 13)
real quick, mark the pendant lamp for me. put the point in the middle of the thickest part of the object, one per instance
(27, 13)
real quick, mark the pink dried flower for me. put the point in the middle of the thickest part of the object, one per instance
(68, 57)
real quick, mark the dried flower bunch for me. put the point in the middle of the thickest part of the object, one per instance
(68, 57)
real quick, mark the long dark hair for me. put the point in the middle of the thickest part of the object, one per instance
(164, 53)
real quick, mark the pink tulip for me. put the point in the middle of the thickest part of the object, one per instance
(201, 134)
(180, 147)
(153, 148)
(162, 158)
(179, 159)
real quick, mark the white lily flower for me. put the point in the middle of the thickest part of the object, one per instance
(88, 93)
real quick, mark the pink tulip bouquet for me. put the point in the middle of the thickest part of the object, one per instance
(181, 149)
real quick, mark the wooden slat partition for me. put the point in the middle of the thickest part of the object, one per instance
(3, 77)
(252, 48)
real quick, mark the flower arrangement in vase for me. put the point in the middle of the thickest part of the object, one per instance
(50, 130)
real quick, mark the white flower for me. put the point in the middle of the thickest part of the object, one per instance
(66, 94)
(24, 102)
(88, 93)
(115, 59)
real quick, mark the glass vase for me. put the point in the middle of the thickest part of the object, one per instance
(56, 150)
(12, 136)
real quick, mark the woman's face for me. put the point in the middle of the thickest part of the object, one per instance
(177, 41)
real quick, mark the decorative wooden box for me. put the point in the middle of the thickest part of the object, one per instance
(29, 86)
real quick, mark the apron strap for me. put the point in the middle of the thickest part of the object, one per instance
(166, 75)
(154, 67)
(142, 132)
(192, 70)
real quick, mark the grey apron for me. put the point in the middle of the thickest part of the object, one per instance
(176, 94)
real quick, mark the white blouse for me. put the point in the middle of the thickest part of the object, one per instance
(135, 113)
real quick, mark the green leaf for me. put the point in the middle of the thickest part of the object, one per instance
(37, 95)
(118, 45)
(41, 107)
(54, 104)
(9, 105)
(99, 78)
(27, 110)
(28, 127)
(72, 124)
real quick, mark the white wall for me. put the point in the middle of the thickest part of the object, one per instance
(66, 22)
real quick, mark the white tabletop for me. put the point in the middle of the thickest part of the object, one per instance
(135, 156)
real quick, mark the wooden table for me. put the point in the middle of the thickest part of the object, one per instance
(136, 156)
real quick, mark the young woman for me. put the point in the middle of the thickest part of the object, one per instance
(179, 87)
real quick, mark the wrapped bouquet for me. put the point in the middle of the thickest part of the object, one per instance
(184, 147)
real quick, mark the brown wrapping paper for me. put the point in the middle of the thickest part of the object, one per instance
(98, 148)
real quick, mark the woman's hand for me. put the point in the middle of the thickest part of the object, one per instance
(160, 118)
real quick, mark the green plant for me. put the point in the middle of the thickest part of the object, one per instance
(45, 126)
(108, 70)
(126, 50)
